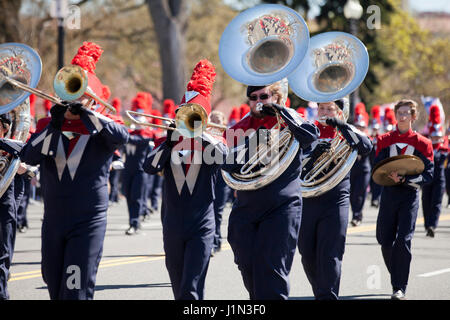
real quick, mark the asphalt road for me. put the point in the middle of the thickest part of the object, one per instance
(133, 267)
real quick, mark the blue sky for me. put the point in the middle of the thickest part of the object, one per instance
(430, 5)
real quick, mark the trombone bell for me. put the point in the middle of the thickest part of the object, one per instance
(191, 119)
(70, 83)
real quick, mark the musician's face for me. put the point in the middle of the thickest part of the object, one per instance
(327, 109)
(404, 118)
(262, 95)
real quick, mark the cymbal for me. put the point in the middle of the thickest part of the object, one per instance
(405, 165)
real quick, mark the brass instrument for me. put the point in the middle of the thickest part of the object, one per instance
(190, 120)
(335, 65)
(70, 83)
(20, 62)
(261, 46)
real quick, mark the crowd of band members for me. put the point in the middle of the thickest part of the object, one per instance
(145, 198)
(137, 163)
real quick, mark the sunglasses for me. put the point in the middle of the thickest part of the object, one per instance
(262, 96)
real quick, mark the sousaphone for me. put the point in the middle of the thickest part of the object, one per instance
(335, 65)
(261, 46)
(22, 64)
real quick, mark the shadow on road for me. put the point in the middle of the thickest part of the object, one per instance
(132, 286)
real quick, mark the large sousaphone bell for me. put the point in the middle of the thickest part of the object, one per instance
(335, 65)
(21, 63)
(261, 46)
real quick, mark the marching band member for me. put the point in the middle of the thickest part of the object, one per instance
(433, 192)
(360, 172)
(9, 202)
(156, 181)
(117, 163)
(447, 170)
(399, 203)
(188, 192)
(323, 230)
(74, 148)
(375, 128)
(8, 217)
(221, 191)
(134, 179)
(264, 223)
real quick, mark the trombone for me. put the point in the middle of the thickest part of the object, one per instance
(190, 120)
(70, 83)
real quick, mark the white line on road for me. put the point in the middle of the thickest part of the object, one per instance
(434, 273)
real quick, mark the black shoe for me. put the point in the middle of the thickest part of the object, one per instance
(375, 203)
(23, 229)
(355, 222)
(430, 232)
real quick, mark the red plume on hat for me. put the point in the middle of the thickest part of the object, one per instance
(389, 119)
(200, 86)
(117, 104)
(376, 117)
(87, 57)
(169, 108)
(244, 109)
(138, 104)
(148, 99)
(361, 115)
(435, 128)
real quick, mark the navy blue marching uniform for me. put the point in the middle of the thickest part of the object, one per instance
(433, 192)
(134, 179)
(375, 189)
(74, 175)
(75, 157)
(222, 192)
(8, 208)
(360, 172)
(399, 204)
(7, 237)
(321, 241)
(115, 177)
(359, 181)
(187, 196)
(263, 225)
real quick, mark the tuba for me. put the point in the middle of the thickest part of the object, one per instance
(22, 64)
(335, 65)
(261, 46)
